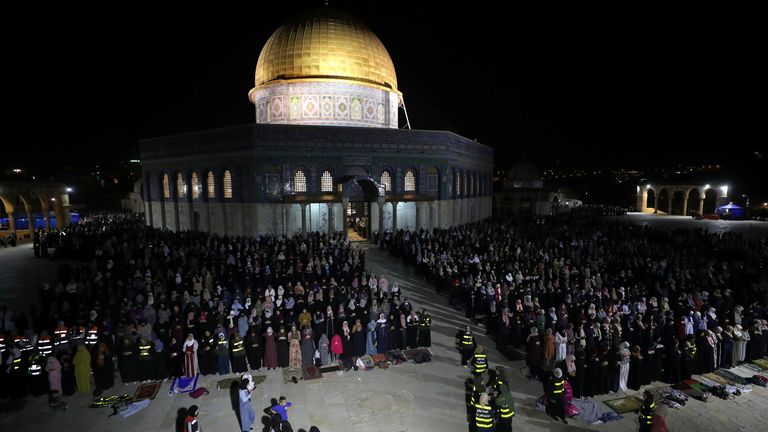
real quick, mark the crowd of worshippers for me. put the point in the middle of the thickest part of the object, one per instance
(155, 304)
(612, 304)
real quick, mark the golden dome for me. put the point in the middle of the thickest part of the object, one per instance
(325, 45)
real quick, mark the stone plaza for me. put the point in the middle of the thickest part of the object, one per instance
(407, 397)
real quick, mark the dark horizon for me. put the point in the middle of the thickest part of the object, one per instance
(641, 92)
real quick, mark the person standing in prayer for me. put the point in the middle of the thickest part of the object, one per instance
(103, 370)
(82, 363)
(270, 349)
(190, 356)
(253, 349)
(294, 349)
(222, 353)
(561, 346)
(53, 367)
(247, 414)
(308, 347)
(382, 334)
(412, 330)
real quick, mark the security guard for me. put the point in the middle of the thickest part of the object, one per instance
(556, 396)
(479, 361)
(466, 345)
(484, 414)
(61, 338)
(44, 344)
(425, 329)
(92, 337)
(506, 408)
(146, 360)
(646, 412)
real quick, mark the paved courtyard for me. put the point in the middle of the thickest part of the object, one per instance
(409, 397)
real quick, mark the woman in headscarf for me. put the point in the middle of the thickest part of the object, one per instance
(358, 339)
(270, 349)
(382, 334)
(294, 355)
(247, 414)
(53, 367)
(624, 367)
(324, 348)
(636, 368)
(307, 347)
(82, 362)
(561, 346)
(283, 351)
(253, 349)
(412, 330)
(190, 347)
(370, 338)
(548, 345)
(534, 351)
(103, 371)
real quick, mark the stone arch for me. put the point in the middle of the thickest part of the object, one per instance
(692, 197)
(677, 202)
(709, 203)
(663, 201)
(6, 212)
(650, 198)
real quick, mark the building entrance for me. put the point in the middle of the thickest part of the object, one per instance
(358, 220)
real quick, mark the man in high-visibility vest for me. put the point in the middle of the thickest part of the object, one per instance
(556, 406)
(466, 345)
(646, 412)
(484, 414)
(479, 361)
(506, 408)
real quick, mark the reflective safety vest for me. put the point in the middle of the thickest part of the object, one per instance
(44, 345)
(646, 414)
(16, 363)
(426, 322)
(61, 336)
(467, 340)
(2, 344)
(35, 368)
(483, 416)
(78, 333)
(144, 351)
(693, 349)
(23, 343)
(559, 387)
(92, 337)
(506, 412)
(480, 361)
(237, 348)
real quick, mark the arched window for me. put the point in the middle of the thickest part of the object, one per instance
(211, 185)
(410, 181)
(326, 182)
(299, 181)
(386, 180)
(458, 183)
(181, 188)
(195, 185)
(227, 184)
(166, 186)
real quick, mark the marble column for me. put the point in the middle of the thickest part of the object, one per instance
(330, 219)
(394, 216)
(303, 219)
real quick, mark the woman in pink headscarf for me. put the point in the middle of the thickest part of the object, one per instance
(53, 367)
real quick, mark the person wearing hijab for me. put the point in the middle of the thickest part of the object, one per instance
(307, 347)
(53, 367)
(189, 349)
(412, 330)
(82, 362)
(382, 334)
(103, 371)
(270, 349)
(247, 413)
(324, 348)
(624, 366)
(190, 421)
(294, 349)
(425, 330)
(222, 353)
(253, 349)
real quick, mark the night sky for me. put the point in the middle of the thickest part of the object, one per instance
(609, 88)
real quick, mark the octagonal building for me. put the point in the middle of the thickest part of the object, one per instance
(325, 152)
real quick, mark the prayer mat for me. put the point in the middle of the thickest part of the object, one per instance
(660, 393)
(378, 358)
(411, 353)
(692, 383)
(753, 368)
(762, 363)
(183, 384)
(625, 404)
(147, 391)
(290, 373)
(329, 368)
(716, 378)
(310, 372)
(731, 377)
(108, 401)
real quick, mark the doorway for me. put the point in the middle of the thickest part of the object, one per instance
(358, 220)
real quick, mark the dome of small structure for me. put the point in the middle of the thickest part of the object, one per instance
(325, 67)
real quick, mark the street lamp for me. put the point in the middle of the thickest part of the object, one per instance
(747, 197)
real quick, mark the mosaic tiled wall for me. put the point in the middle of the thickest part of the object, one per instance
(337, 104)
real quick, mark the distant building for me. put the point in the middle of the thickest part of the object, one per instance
(325, 153)
(27, 205)
(523, 192)
(681, 196)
